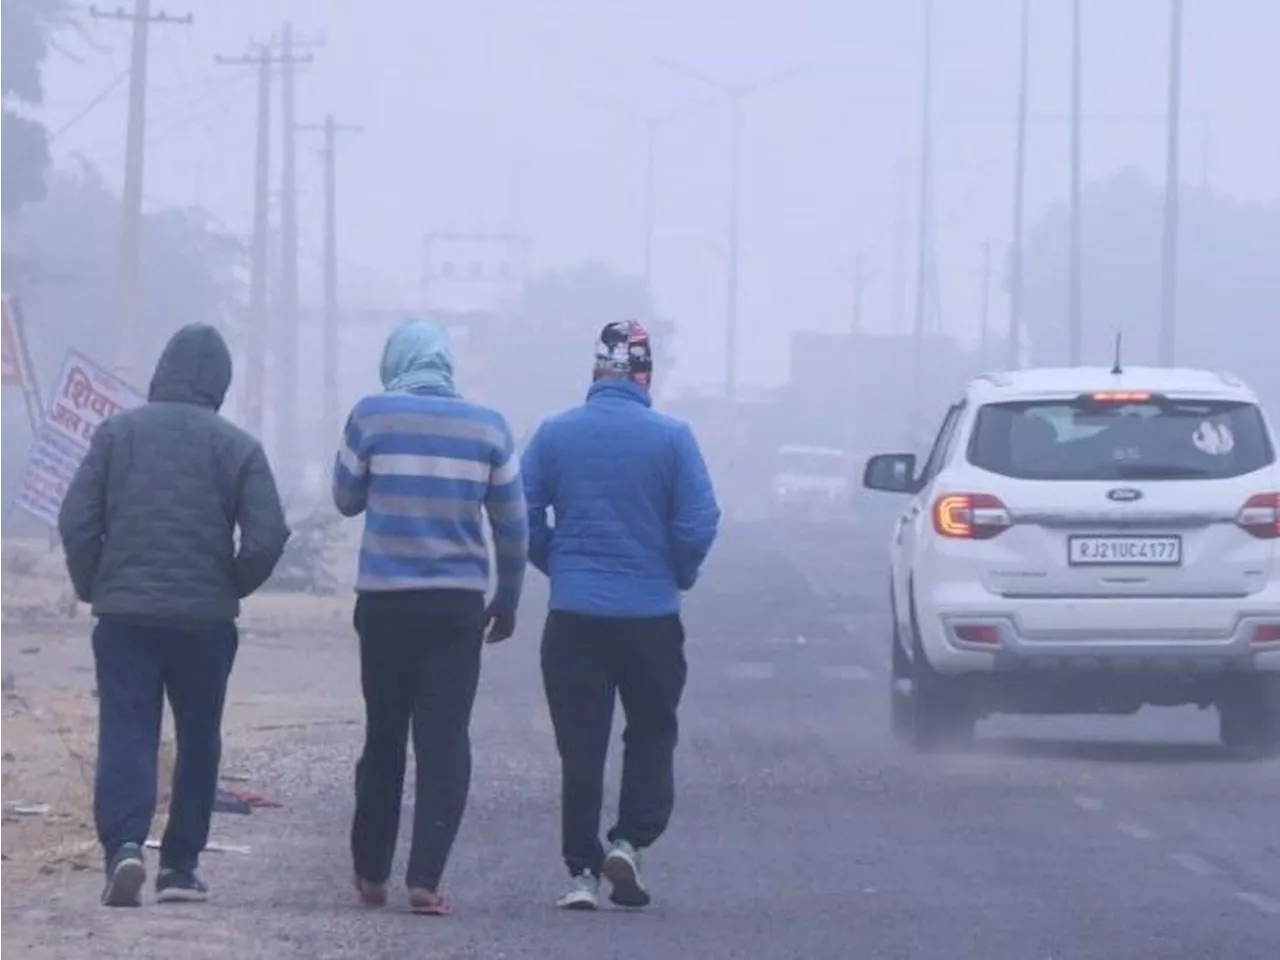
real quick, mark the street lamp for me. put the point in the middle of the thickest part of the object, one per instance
(651, 124)
(736, 93)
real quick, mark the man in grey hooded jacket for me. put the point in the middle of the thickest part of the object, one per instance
(149, 526)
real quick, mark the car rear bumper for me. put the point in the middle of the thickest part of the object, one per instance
(1216, 636)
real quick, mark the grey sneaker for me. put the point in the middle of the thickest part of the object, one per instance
(622, 867)
(584, 893)
(126, 874)
(179, 886)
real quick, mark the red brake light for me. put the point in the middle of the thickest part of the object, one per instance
(1260, 516)
(1120, 396)
(970, 516)
(1268, 633)
(984, 634)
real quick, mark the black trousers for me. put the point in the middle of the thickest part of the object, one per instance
(586, 663)
(137, 666)
(419, 668)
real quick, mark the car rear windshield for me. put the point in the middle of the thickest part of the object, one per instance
(1159, 439)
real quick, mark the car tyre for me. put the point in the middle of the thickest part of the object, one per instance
(1249, 720)
(901, 686)
(941, 715)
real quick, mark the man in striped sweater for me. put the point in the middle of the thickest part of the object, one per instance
(423, 465)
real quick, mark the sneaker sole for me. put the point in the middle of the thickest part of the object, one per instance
(580, 904)
(627, 892)
(181, 896)
(124, 888)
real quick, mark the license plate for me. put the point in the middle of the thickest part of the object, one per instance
(1124, 551)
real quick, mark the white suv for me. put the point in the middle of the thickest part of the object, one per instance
(1088, 541)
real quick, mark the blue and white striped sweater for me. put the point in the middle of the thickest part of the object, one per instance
(423, 468)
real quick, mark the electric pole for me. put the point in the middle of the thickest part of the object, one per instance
(331, 128)
(257, 341)
(1019, 188)
(736, 94)
(129, 277)
(922, 222)
(286, 404)
(1075, 322)
(901, 215)
(1169, 260)
(859, 289)
(984, 330)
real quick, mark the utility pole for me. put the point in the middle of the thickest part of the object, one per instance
(901, 215)
(1075, 322)
(331, 128)
(859, 289)
(1169, 260)
(1019, 188)
(287, 427)
(129, 276)
(736, 94)
(259, 310)
(922, 223)
(984, 334)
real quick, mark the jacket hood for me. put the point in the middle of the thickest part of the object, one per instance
(620, 387)
(417, 358)
(194, 367)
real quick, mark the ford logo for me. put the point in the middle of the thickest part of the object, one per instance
(1124, 494)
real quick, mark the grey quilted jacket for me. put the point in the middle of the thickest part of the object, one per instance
(149, 523)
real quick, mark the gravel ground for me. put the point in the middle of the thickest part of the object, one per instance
(801, 831)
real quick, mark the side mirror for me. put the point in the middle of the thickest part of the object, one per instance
(891, 472)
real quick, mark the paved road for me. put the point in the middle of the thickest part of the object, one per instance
(801, 831)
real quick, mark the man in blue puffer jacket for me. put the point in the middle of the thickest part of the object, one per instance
(635, 516)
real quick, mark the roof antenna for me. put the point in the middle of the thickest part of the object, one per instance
(1116, 369)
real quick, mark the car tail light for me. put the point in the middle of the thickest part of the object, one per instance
(982, 634)
(1260, 516)
(1266, 634)
(970, 516)
(1120, 396)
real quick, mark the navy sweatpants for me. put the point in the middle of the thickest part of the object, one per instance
(137, 667)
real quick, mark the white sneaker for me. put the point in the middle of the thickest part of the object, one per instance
(583, 894)
(622, 867)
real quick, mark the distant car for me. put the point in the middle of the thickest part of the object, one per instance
(811, 481)
(1088, 541)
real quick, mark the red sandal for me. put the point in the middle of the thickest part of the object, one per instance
(428, 903)
(371, 894)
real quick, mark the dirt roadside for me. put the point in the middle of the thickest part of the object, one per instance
(292, 648)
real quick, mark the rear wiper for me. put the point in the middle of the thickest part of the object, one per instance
(1138, 471)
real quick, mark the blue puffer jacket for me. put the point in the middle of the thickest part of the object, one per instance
(635, 513)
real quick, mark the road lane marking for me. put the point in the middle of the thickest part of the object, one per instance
(1085, 802)
(846, 671)
(752, 671)
(1261, 901)
(1135, 830)
(1195, 864)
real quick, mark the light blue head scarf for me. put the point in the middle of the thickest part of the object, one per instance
(417, 359)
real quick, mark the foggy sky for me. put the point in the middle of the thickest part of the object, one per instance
(488, 114)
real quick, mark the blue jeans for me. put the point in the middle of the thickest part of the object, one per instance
(137, 666)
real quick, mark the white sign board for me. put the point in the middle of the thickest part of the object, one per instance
(84, 395)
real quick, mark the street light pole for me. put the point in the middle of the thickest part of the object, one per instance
(652, 123)
(736, 94)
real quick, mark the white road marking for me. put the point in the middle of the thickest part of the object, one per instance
(1085, 802)
(846, 671)
(1135, 830)
(1195, 864)
(752, 671)
(1261, 901)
